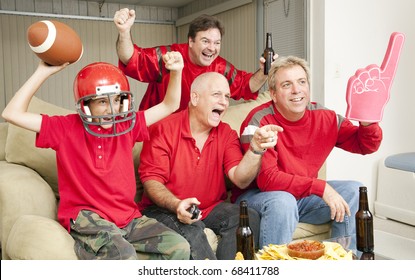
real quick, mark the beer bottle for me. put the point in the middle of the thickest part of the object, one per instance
(268, 54)
(364, 224)
(367, 256)
(244, 235)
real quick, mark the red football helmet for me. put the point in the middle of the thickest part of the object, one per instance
(103, 80)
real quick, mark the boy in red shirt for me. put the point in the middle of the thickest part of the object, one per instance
(94, 158)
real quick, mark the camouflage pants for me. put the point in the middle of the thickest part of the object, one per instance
(143, 238)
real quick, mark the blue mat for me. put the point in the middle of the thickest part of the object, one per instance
(405, 162)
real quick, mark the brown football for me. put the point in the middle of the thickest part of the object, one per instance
(54, 42)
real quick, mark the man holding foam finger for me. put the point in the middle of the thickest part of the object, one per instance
(287, 189)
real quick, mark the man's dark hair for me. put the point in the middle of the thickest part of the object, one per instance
(203, 23)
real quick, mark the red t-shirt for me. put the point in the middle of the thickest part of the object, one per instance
(94, 173)
(146, 65)
(173, 159)
(303, 147)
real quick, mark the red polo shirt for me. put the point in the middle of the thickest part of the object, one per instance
(94, 173)
(172, 158)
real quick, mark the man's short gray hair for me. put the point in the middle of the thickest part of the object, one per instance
(286, 62)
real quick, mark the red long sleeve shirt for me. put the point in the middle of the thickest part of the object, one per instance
(304, 146)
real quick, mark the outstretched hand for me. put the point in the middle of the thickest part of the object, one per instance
(266, 136)
(368, 90)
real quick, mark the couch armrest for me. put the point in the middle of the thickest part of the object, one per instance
(3, 139)
(39, 238)
(22, 192)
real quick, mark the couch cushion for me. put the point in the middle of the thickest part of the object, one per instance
(236, 114)
(20, 145)
(3, 138)
(315, 232)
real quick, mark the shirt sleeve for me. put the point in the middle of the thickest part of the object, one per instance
(232, 151)
(359, 139)
(143, 65)
(238, 81)
(155, 158)
(53, 130)
(141, 131)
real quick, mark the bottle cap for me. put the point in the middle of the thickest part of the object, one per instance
(243, 203)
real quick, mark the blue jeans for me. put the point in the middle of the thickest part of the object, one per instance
(223, 220)
(280, 212)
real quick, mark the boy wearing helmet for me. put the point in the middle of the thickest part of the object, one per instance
(96, 175)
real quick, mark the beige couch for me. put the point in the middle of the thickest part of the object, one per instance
(29, 192)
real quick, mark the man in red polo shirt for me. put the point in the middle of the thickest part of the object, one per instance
(186, 161)
(200, 55)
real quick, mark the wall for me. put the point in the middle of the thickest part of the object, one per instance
(154, 26)
(88, 9)
(92, 22)
(18, 62)
(238, 45)
(349, 35)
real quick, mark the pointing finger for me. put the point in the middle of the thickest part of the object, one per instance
(390, 62)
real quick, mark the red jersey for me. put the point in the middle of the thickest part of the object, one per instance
(146, 65)
(94, 173)
(173, 159)
(304, 146)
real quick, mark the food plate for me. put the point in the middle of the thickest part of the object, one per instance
(333, 251)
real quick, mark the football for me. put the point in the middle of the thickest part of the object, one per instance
(54, 42)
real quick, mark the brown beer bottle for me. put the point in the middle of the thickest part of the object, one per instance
(244, 235)
(268, 54)
(364, 224)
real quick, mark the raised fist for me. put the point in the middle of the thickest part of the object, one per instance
(173, 61)
(368, 90)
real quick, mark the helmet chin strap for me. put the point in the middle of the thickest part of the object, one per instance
(88, 112)
(125, 105)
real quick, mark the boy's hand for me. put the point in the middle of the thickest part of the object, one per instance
(49, 70)
(173, 61)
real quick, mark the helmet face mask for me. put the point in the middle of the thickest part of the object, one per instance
(104, 81)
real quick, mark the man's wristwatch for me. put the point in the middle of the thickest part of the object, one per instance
(261, 152)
